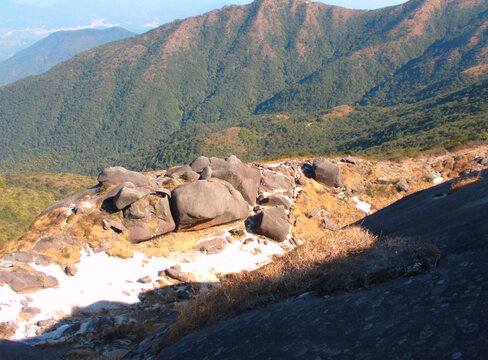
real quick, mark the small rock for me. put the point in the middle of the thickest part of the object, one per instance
(114, 224)
(302, 180)
(28, 313)
(402, 186)
(175, 272)
(145, 280)
(298, 221)
(329, 225)
(70, 270)
(318, 214)
(46, 323)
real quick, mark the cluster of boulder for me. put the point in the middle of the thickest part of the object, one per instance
(205, 193)
(213, 192)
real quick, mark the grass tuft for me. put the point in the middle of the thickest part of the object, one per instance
(464, 182)
(346, 260)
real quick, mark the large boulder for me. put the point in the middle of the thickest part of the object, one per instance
(243, 178)
(148, 218)
(207, 203)
(117, 174)
(273, 223)
(27, 257)
(272, 181)
(178, 171)
(127, 196)
(24, 281)
(200, 163)
(56, 241)
(327, 173)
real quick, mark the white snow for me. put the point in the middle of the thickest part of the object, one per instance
(362, 205)
(104, 282)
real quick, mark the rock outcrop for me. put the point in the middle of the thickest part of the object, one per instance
(273, 223)
(23, 280)
(117, 175)
(207, 203)
(243, 178)
(327, 173)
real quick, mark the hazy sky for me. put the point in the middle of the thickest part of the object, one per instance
(353, 4)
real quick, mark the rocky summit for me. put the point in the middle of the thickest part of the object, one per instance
(102, 274)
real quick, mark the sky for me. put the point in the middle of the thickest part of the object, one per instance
(352, 4)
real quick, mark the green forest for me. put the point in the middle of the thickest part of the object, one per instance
(257, 81)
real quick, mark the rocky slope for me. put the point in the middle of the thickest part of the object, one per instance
(118, 256)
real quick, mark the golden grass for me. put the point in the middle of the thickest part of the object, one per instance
(335, 261)
(464, 182)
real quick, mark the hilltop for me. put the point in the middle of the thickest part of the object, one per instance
(258, 80)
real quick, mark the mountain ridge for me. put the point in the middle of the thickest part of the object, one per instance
(56, 48)
(223, 67)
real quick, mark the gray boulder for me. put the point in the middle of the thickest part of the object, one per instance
(273, 223)
(402, 186)
(211, 246)
(175, 272)
(26, 257)
(207, 203)
(148, 217)
(327, 173)
(274, 200)
(115, 224)
(25, 281)
(200, 163)
(118, 174)
(55, 241)
(206, 173)
(243, 178)
(176, 172)
(139, 233)
(272, 181)
(127, 196)
(164, 192)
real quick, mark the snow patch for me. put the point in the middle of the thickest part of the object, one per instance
(362, 205)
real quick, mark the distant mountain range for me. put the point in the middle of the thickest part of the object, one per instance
(258, 80)
(22, 25)
(56, 48)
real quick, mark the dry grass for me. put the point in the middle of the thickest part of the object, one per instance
(464, 182)
(336, 261)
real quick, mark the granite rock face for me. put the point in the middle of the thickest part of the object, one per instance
(118, 174)
(327, 173)
(207, 203)
(273, 223)
(243, 178)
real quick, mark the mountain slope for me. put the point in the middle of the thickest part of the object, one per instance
(56, 48)
(149, 93)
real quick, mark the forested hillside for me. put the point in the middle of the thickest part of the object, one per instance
(55, 48)
(258, 80)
